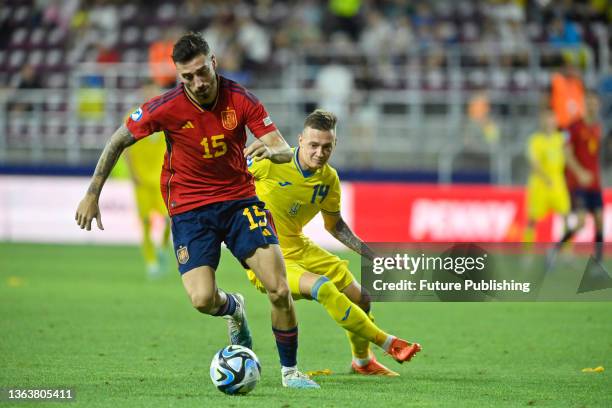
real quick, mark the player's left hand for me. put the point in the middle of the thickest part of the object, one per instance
(257, 151)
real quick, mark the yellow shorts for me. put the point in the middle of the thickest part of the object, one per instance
(149, 199)
(541, 201)
(314, 259)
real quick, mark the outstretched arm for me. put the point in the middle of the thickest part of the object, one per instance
(270, 146)
(88, 207)
(336, 226)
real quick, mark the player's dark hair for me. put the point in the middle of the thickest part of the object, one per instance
(321, 120)
(188, 47)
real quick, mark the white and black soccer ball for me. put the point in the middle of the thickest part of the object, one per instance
(235, 370)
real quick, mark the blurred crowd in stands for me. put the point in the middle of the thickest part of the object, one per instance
(253, 37)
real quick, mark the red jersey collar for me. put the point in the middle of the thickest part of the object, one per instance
(197, 104)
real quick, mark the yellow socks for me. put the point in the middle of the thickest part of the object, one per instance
(361, 330)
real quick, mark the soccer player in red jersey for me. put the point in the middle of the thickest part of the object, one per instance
(209, 193)
(582, 173)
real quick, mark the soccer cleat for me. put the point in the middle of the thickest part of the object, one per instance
(296, 379)
(237, 326)
(373, 368)
(402, 351)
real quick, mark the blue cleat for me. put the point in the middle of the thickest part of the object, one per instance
(237, 326)
(295, 379)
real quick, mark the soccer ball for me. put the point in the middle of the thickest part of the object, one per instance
(235, 370)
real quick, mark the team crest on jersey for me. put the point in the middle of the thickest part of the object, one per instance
(295, 208)
(136, 115)
(182, 255)
(229, 119)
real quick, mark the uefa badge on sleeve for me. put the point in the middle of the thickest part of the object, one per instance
(136, 115)
(182, 255)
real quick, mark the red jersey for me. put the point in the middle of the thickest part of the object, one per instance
(585, 140)
(204, 162)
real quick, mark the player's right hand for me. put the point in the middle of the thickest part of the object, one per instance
(88, 210)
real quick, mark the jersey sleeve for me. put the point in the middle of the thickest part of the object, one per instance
(257, 118)
(259, 169)
(331, 204)
(142, 122)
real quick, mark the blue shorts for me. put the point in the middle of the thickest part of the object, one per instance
(587, 200)
(197, 234)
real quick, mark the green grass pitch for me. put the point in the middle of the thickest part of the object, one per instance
(86, 317)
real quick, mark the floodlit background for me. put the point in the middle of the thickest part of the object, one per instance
(436, 101)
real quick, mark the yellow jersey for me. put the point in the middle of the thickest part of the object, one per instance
(294, 196)
(547, 150)
(146, 158)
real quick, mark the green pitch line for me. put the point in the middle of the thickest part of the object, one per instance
(85, 317)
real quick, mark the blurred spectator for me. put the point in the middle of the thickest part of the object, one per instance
(231, 66)
(254, 40)
(344, 16)
(298, 33)
(60, 12)
(160, 59)
(107, 54)
(423, 16)
(104, 17)
(481, 127)
(309, 11)
(403, 37)
(270, 13)
(27, 80)
(91, 98)
(565, 36)
(377, 36)
(335, 84)
(505, 11)
(221, 33)
(395, 9)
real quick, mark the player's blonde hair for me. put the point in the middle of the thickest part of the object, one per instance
(321, 120)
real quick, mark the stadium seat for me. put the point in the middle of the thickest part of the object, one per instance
(16, 59)
(35, 57)
(37, 37)
(130, 36)
(19, 37)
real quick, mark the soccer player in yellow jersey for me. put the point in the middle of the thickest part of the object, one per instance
(144, 161)
(294, 193)
(546, 189)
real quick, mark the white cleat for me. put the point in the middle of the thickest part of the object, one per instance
(296, 379)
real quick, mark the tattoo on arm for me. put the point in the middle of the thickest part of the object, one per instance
(121, 139)
(343, 233)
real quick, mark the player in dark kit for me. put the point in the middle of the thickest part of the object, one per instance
(582, 173)
(209, 193)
